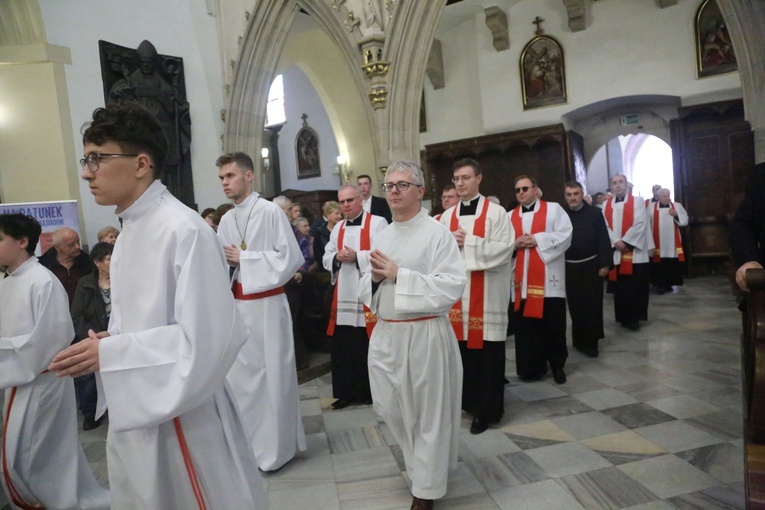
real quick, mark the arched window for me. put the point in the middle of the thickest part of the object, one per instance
(275, 113)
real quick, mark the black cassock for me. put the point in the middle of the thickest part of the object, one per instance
(589, 251)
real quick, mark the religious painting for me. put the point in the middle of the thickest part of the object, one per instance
(307, 152)
(714, 50)
(157, 83)
(543, 73)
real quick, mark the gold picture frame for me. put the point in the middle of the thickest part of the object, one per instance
(714, 50)
(543, 73)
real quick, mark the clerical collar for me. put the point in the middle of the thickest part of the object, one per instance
(663, 206)
(617, 199)
(528, 208)
(355, 222)
(581, 206)
(469, 207)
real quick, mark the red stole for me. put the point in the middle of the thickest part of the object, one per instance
(628, 218)
(535, 285)
(657, 236)
(475, 318)
(364, 245)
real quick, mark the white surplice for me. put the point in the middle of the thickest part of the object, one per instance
(175, 333)
(551, 246)
(415, 370)
(492, 254)
(667, 227)
(350, 311)
(639, 235)
(46, 465)
(264, 377)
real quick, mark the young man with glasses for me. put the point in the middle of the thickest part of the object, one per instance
(415, 275)
(175, 440)
(542, 232)
(346, 257)
(483, 234)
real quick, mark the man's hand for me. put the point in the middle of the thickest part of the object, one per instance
(741, 273)
(672, 212)
(298, 277)
(346, 255)
(232, 255)
(603, 271)
(79, 359)
(525, 242)
(382, 267)
(459, 236)
(619, 245)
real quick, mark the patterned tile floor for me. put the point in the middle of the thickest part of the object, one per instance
(653, 423)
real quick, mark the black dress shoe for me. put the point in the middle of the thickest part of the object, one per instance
(340, 403)
(478, 426)
(559, 376)
(90, 423)
(421, 504)
(631, 325)
(591, 353)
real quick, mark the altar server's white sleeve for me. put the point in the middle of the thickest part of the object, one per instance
(260, 271)
(682, 215)
(24, 357)
(554, 243)
(493, 250)
(151, 376)
(436, 291)
(362, 256)
(330, 250)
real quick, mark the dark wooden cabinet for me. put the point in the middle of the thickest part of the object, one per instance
(713, 153)
(550, 154)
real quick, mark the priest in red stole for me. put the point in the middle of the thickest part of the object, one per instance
(479, 319)
(630, 236)
(542, 232)
(346, 257)
(666, 217)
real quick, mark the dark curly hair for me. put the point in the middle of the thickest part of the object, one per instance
(133, 128)
(19, 226)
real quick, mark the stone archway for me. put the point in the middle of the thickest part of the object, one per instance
(393, 122)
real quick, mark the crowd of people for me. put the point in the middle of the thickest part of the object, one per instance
(190, 334)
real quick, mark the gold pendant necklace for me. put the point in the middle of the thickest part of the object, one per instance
(243, 245)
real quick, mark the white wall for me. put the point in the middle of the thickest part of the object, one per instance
(629, 48)
(176, 27)
(300, 97)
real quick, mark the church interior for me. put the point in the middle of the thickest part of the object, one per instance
(319, 92)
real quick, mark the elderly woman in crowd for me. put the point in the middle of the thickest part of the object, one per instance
(108, 235)
(91, 307)
(305, 241)
(331, 211)
(209, 216)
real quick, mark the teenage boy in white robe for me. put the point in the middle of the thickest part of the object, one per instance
(43, 465)
(259, 244)
(175, 438)
(415, 370)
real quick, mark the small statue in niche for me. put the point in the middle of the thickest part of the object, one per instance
(157, 83)
(372, 16)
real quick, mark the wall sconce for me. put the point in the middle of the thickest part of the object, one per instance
(266, 166)
(343, 170)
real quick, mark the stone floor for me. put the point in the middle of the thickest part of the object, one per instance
(653, 423)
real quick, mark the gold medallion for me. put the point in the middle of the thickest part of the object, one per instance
(243, 245)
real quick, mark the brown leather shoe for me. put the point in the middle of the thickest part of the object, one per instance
(421, 504)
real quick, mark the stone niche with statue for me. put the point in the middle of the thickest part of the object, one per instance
(157, 83)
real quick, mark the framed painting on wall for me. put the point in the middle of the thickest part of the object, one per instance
(307, 152)
(714, 50)
(543, 73)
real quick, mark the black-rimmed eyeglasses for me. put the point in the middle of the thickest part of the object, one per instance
(401, 186)
(94, 158)
(523, 188)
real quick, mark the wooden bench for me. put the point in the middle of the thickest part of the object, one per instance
(753, 389)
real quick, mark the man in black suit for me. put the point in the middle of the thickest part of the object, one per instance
(374, 205)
